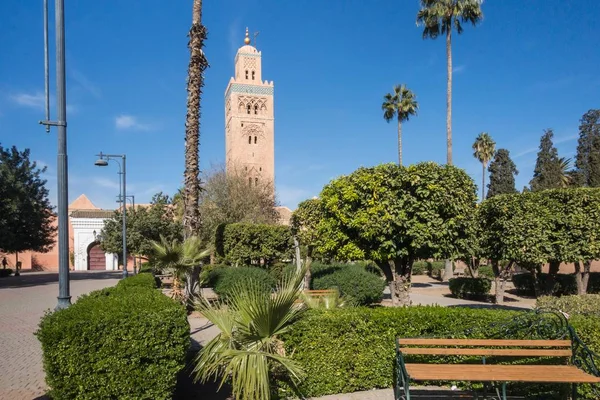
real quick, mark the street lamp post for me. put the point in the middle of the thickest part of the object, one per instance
(132, 198)
(103, 162)
(64, 293)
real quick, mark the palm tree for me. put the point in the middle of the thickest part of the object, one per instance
(195, 82)
(248, 351)
(401, 104)
(181, 259)
(566, 175)
(441, 16)
(484, 150)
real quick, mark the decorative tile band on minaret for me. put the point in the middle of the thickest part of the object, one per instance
(249, 119)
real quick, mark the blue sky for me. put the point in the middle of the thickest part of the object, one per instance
(529, 66)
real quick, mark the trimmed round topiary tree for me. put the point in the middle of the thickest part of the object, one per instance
(226, 278)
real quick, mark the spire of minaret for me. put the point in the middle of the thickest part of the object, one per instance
(247, 38)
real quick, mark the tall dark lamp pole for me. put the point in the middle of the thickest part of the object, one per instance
(103, 162)
(64, 295)
(132, 198)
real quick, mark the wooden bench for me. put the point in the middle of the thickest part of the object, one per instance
(320, 293)
(484, 372)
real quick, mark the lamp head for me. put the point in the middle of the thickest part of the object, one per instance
(101, 162)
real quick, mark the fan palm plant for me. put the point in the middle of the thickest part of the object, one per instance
(248, 351)
(180, 258)
(566, 175)
(400, 104)
(484, 150)
(440, 17)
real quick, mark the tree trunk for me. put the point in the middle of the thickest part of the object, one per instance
(17, 265)
(449, 97)
(400, 286)
(582, 276)
(308, 262)
(553, 268)
(448, 272)
(387, 268)
(500, 277)
(483, 184)
(399, 141)
(195, 82)
(535, 272)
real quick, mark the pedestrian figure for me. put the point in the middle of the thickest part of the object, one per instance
(4, 263)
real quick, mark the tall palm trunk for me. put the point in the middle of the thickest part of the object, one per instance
(399, 142)
(483, 183)
(195, 82)
(449, 97)
(448, 273)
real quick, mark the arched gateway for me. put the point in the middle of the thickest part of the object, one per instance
(87, 225)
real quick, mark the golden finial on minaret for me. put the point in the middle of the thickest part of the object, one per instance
(247, 38)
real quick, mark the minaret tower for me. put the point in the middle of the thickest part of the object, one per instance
(249, 119)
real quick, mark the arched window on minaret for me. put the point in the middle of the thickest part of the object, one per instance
(249, 139)
(256, 109)
(249, 181)
(252, 75)
(255, 181)
(246, 74)
(248, 107)
(254, 139)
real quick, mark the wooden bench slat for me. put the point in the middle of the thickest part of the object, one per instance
(485, 342)
(500, 373)
(487, 352)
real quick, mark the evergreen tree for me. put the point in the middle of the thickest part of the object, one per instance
(548, 172)
(25, 212)
(587, 161)
(502, 174)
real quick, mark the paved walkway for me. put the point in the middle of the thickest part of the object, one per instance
(23, 301)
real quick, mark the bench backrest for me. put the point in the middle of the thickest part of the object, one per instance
(317, 293)
(486, 347)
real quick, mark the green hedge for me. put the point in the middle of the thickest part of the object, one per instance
(118, 343)
(5, 272)
(348, 350)
(470, 287)
(565, 284)
(419, 268)
(143, 279)
(224, 279)
(353, 281)
(588, 304)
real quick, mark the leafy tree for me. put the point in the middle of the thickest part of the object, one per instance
(227, 198)
(547, 173)
(182, 259)
(305, 226)
(395, 215)
(441, 17)
(248, 350)
(502, 174)
(248, 243)
(26, 221)
(144, 225)
(587, 161)
(195, 82)
(400, 104)
(484, 149)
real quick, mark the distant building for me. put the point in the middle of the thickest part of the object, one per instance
(85, 224)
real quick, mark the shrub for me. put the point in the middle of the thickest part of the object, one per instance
(5, 272)
(564, 285)
(140, 280)
(115, 343)
(353, 349)
(210, 274)
(588, 304)
(228, 277)
(470, 287)
(278, 270)
(485, 271)
(435, 269)
(353, 281)
(146, 267)
(419, 268)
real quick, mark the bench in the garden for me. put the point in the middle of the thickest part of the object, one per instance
(320, 293)
(485, 372)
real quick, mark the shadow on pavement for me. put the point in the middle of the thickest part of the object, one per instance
(28, 279)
